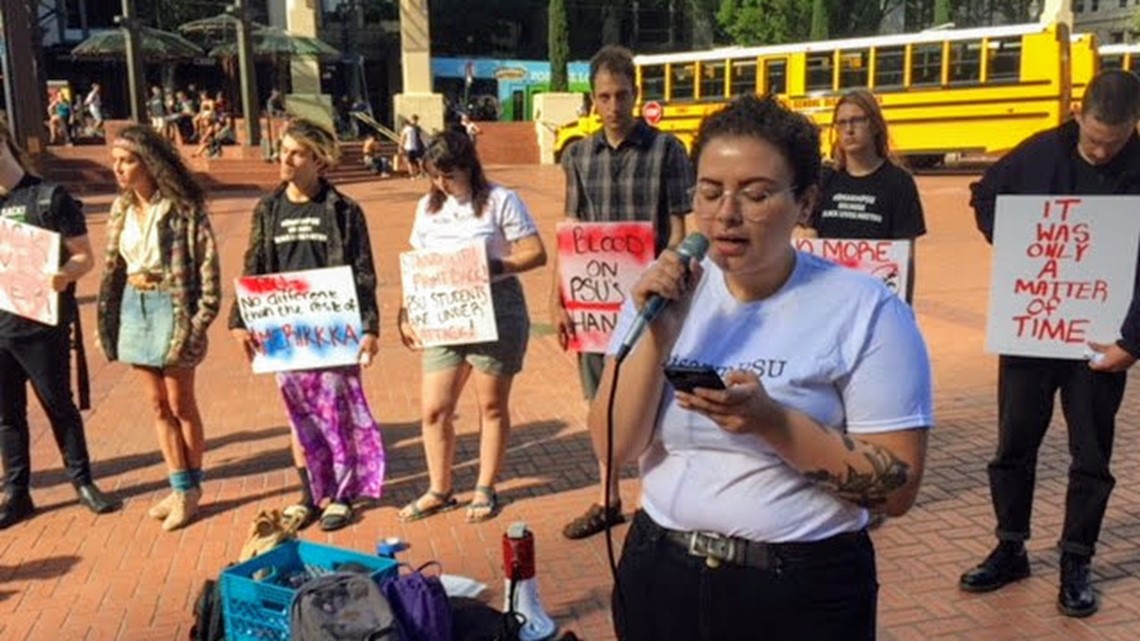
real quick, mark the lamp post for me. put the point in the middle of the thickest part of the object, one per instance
(136, 81)
(249, 104)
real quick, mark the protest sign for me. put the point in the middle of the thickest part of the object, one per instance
(598, 265)
(447, 295)
(1063, 273)
(887, 260)
(28, 255)
(301, 320)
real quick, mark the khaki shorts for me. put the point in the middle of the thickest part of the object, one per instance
(503, 357)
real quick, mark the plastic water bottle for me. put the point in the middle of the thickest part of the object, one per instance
(390, 547)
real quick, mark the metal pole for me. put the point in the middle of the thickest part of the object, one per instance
(250, 107)
(136, 81)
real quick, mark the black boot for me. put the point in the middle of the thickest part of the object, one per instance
(17, 507)
(95, 500)
(1006, 564)
(1077, 597)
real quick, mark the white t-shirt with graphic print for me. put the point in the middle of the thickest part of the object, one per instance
(505, 220)
(832, 343)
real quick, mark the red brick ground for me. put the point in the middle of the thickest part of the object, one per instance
(69, 575)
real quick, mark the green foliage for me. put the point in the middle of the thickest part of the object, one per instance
(943, 12)
(762, 22)
(169, 14)
(819, 20)
(559, 34)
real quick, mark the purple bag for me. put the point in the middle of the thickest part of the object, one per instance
(420, 604)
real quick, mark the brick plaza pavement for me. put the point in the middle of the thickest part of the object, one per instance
(67, 574)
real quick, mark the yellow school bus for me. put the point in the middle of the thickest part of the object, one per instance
(1121, 56)
(943, 91)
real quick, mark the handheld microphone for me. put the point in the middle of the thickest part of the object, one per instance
(694, 246)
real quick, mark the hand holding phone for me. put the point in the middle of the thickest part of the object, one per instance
(686, 378)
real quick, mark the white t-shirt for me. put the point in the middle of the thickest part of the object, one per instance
(505, 220)
(832, 343)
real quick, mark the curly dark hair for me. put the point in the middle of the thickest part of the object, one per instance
(451, 151)
(765, 118)
(162, 161)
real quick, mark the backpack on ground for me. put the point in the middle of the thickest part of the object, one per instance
(208, 622)
(343, 606)
(421, 604)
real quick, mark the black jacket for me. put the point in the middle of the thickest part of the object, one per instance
(1042, 165)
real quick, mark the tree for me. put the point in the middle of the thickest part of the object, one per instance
(762, 22)
(942, 12)
(819, 20)
(169, 14)
(559, 45)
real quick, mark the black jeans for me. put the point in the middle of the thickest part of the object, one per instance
(43, 359)
(665, 594)
(1089, 400)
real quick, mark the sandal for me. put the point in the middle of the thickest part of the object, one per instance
(298, 516)
(336, 516)
(486, 509)
(444, 502)
(596, 519)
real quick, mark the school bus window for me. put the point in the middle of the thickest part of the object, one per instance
(853, 68)
(1112, 61)
(684, 80)
(889, 63)
(966, 62)
(926, 64)
(819, 72)
(712, 79)
(653, 82)
(743, 77)
(776, 76)
(1005, 60)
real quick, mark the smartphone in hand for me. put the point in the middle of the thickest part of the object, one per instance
(686, 378)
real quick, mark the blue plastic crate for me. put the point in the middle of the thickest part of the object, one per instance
(258, 609)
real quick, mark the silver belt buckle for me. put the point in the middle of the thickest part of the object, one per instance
(716, 548)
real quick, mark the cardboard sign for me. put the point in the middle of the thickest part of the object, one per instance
(888, 260)
(1063, 273)
(301, 320)
(28, 254)
(598, 265)
(448, 296)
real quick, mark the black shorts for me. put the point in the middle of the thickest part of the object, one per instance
(415, 155)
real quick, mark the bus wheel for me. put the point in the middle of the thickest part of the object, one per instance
(924, 161)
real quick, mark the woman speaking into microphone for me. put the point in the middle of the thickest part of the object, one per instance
(756, 497)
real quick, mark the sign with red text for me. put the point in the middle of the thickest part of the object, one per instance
(598, 264)
(447, 295)
(887, 260)
(1063, 272)
(301, 320)
(28, 255)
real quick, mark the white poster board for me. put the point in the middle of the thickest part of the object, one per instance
(887, 260)
(28, 255)
(1063, 273)
(447, 295)
(301, 320)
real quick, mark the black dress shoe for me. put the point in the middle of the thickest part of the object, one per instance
(96, 500)
(1006, 564)
(1077, 597)
(16, 508)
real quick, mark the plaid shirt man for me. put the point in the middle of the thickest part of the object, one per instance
(646, 177)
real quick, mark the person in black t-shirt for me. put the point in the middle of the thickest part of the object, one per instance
(1097, 153)
(32, 351)
(866, 195)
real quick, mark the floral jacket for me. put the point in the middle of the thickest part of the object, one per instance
(190, 272)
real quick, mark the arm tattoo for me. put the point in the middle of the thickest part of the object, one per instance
(870, 489)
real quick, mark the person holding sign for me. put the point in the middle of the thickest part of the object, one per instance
(307, 224)
(464, 208)
(1097, 153)
(161, 289)
(628, 171)
(759, 481)
(866, 195)
(39, 353)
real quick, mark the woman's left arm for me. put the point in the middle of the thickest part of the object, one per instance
(527, 253)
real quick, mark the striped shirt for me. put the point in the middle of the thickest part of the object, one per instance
(647, 177)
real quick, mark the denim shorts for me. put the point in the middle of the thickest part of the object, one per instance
(146, 326)
(503, 357)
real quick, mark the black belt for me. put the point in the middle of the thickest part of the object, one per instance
(717, 549)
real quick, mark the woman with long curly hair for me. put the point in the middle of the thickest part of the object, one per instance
(160, 291)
